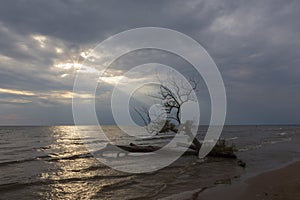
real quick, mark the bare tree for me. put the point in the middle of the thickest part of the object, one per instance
(172, 94)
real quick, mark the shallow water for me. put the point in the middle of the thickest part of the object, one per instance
(53, 163)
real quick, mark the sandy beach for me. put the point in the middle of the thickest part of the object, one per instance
(281, 184)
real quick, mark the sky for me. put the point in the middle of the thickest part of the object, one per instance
(255, 45)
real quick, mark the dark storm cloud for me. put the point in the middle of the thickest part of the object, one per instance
(254, 43)
(89, 21)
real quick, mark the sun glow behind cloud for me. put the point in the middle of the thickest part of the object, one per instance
(41, 39)
(68, 65)
(112, 80)
(24, 96)
(17, 92)
(59, 50)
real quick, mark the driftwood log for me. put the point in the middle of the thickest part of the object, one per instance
(133, 148)
(219, 150)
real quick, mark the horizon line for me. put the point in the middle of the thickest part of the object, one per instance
(241, 124)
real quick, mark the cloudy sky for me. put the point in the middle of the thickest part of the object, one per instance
(255, 44)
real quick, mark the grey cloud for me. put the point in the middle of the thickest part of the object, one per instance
(254, 43)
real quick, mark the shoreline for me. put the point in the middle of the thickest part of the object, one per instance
(282, 183)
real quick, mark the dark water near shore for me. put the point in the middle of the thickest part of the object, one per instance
(53, 163)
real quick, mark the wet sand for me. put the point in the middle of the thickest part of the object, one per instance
(281, 184)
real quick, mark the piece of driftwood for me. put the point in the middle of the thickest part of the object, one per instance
(192, 150)
(138, 148)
